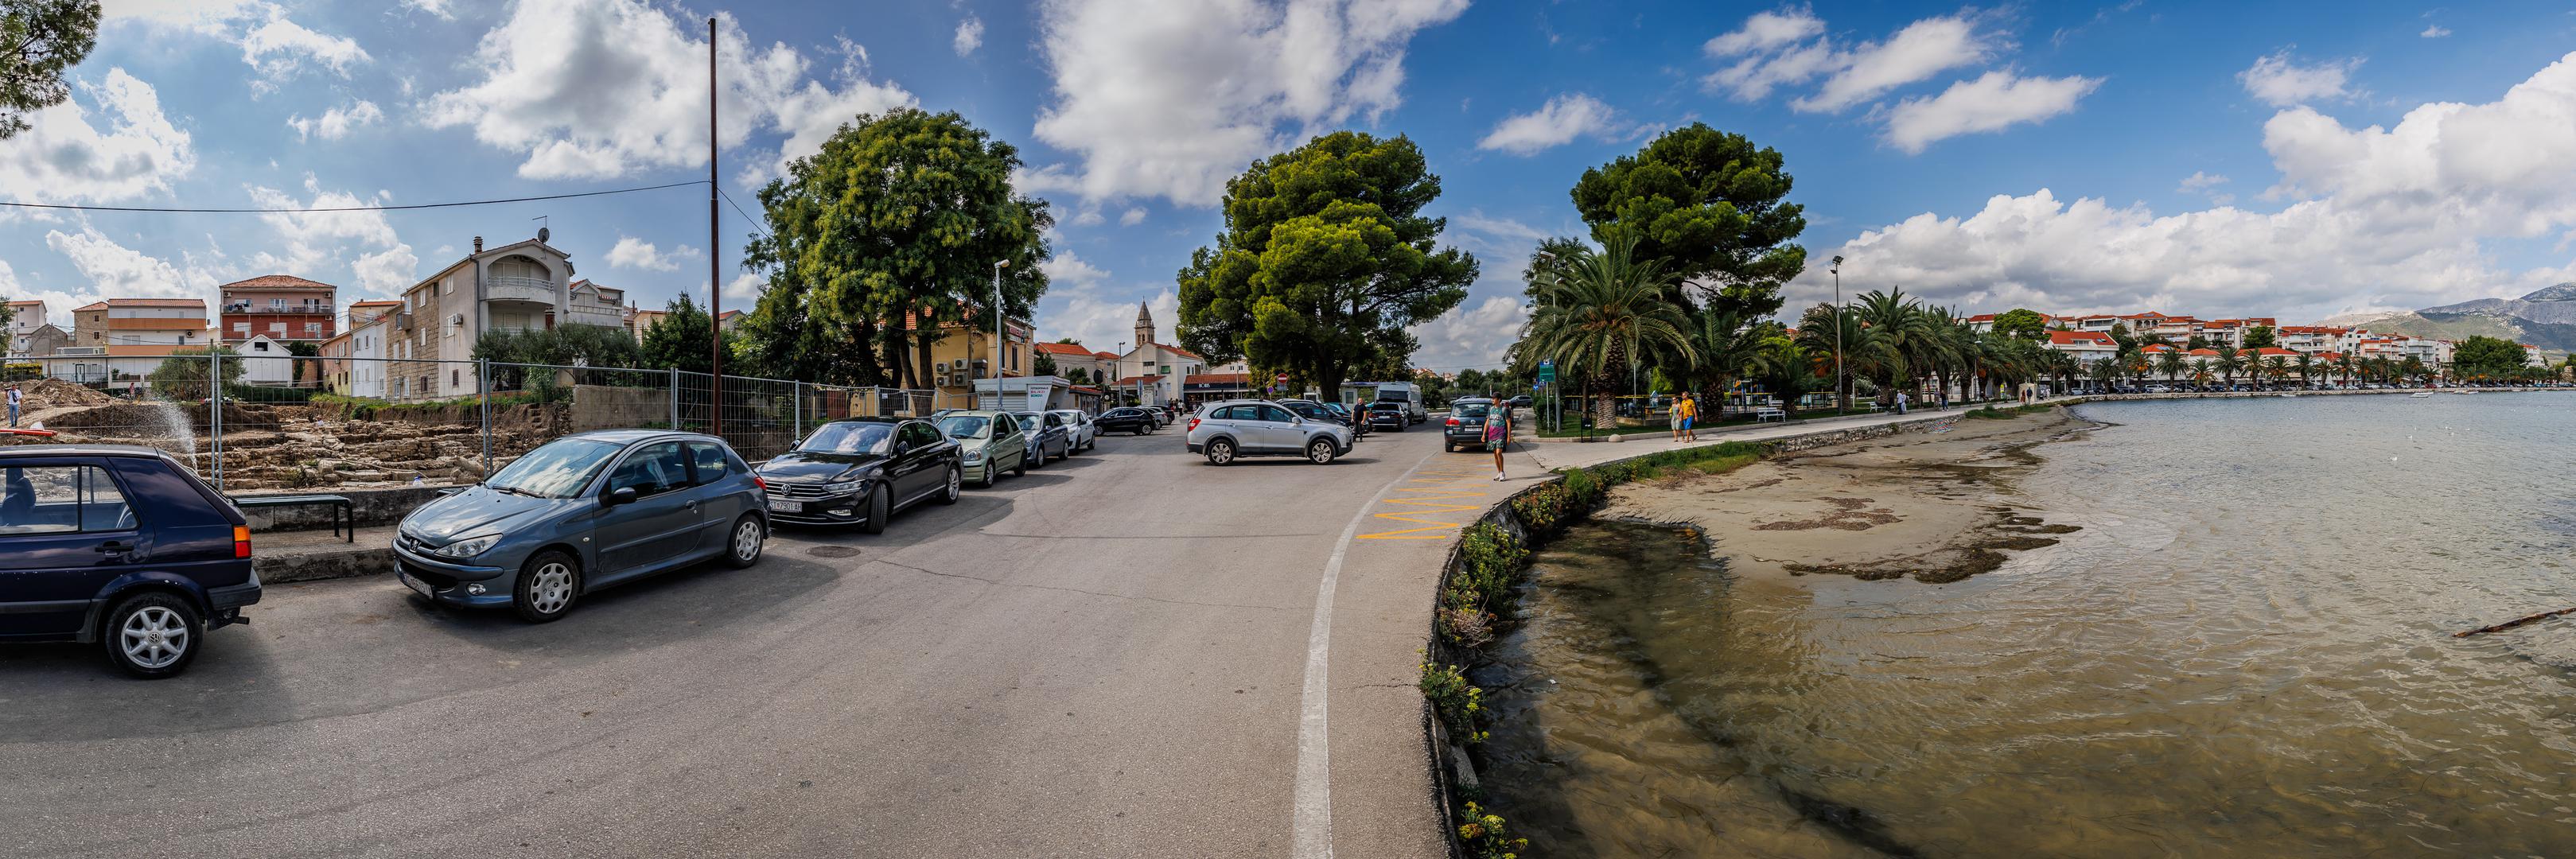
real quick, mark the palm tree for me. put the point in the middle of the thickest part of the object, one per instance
(1724, 345)
(1816, 335)
(2343, 366)
(2229, 361)
(2170, 363)
(2278, 367)
(2200, 370)
(2307, 369)
(1602, 314)
(1903, 336)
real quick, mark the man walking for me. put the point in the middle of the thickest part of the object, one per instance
(14, 399)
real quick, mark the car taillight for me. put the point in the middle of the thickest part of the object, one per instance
(1453, 422)
(241, 541)
(1194, 424)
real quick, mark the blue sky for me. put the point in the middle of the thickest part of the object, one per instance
(2210, 158)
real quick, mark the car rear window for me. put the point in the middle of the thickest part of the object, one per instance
(61, 499)
(1473, 410)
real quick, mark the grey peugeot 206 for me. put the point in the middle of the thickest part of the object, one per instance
(581, 513)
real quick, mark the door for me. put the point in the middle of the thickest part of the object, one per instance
(1058, 430)
(1278, 429)
(66, 531)
(917, 470)
(720, 498)
(662, 525)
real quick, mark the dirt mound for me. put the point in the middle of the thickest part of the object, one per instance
(55, 393)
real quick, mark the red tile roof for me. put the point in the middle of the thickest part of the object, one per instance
(2204, 353)
(1179, 351)
(198, 303)
(277, 281)
(1064, 349)
(1104, 356)
(2082, 338)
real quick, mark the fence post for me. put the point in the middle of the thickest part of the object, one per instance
(483, 389)
(796, 390)
(215, 409)
(675, 398)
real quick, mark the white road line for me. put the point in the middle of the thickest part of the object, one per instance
(1311, 822)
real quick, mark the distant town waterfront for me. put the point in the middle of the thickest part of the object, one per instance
(2227, 632)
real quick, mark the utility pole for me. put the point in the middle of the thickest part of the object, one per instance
(1841, 404)
(999, 320)
(715, 281)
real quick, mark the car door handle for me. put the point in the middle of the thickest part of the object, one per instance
(113, 547)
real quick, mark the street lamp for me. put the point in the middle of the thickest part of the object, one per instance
(1840, 404)
(998, 336)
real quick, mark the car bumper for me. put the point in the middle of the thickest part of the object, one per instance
(834, 510)
(1194, 447)
(234, 596)
(452, 583)
(976, 473)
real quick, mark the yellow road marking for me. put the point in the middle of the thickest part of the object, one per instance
(1431, 500)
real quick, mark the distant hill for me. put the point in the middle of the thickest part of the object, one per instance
(2545, 318)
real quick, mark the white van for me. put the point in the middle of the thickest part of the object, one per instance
(1407, 393)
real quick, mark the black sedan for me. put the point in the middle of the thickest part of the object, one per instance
(859, 471)
(1130, 420)
(1387, 415)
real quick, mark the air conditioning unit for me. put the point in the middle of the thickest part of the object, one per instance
(942, 379)
(957, 366)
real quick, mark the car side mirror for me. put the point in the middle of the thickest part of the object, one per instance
(619, 495)
(902, 447)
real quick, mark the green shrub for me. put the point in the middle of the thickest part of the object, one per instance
(1486, 836)
(1457, 703)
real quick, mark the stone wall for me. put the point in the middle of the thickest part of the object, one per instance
(370, 506)
(605, 407)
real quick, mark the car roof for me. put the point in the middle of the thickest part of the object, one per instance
(82, 450)
(630, 436)
(870, 419)
(1469, 400)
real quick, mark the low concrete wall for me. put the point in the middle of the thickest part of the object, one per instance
(365, 558)
(370, 506)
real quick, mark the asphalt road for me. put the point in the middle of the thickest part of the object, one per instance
(1102, 658)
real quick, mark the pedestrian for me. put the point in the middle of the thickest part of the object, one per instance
(1498, 435)
(1900, 402)
(1679, 415)
(1690, 417)
(14, 399)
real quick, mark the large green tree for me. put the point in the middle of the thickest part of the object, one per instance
(1712, 206)
(1602, 317)
(1325, 260)
(2483, 357)
(883, 237)
(2261, 337)
(679, 341)
(39, 40)
(2022, 322)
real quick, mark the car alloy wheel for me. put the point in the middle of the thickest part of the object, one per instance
(1321, 452)
(547, 587)
(154, 637)
(744, 550)
(956, 479)
(1220, 452)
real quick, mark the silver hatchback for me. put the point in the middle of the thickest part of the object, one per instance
(1233, 429)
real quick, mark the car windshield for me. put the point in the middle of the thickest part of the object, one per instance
(1028, 420)
(1472, 410)
(557, 469)
(850, 438)
(965, 426)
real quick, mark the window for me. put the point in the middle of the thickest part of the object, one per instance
(921, 435)
(652, 470)
(261, 346)
(455, 377)
(1238, 413)
(707, 462)
(241, 327)
(61, 499)
(277, 304)
(312, 328)
(1274, 414)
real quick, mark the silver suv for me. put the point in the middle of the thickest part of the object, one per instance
(1226, 431)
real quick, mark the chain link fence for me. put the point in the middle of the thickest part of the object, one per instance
(284, 422)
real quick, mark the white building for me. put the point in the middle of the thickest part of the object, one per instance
(2088, 347)
(526, 286)
(265, 361)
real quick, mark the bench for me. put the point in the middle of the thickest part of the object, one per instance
(1770, 413)
(344, 511)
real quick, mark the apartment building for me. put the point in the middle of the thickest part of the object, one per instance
(524, 286)
(130, 336)
(31, 335)
(283, 308)
(2087, 346)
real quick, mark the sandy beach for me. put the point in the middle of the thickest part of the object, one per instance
(1934, 506)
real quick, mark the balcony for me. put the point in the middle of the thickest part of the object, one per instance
(293, 309)
(535, 290)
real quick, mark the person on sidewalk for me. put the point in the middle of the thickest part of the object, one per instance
(14, 400)
(1900, 402)
(1498, 434)
(1681, 415)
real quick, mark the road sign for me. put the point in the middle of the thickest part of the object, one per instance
(1283, 378)
(1546, 371)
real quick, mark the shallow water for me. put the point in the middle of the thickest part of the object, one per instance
(2246, 650)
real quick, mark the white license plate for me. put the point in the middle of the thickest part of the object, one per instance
(779, 506)
(414, 584)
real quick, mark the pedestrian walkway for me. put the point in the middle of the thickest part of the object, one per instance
(1547, 457)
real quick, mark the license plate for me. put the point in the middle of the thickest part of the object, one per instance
(779, 506)
(414, 584)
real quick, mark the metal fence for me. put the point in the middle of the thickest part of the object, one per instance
(289, 422)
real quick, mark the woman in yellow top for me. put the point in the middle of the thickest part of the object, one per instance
(1685, 410)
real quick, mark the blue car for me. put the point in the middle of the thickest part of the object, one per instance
(121, 546)
(580, 513)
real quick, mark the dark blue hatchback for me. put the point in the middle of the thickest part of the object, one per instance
(121, 546)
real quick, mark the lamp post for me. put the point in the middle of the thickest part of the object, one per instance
(1840, 404)
(998, 335)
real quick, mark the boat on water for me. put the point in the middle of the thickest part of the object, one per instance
(2420, 395)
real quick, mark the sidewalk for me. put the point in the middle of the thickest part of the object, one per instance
(1545, 457)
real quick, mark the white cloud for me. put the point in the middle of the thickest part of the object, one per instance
(387, 272)
(276, 47)
(1993, 101)
(746, 288)
(1765, 31)
(1089, 216)
(1170, 98)
(1557, 123)
(64, 158)
(2200, 182)
(116, 270)
(603, 88)
(337, 122)
(970, 35)
(436, 8)
(1082, 303)
(2380, 217)
(2281, 81)
(1924, 48)
(1472, 334)
(280, 48)
(1790, 48)
(316, 242)
(635, 253)
(1495, 238)
(2435, 31)
(1131, 217)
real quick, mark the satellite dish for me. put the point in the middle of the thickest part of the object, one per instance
(543, 234)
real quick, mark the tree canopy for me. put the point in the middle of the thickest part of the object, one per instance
(2261, 337)
(887, 234)
(1711, 205)
(2487, 357)
(39, 40)
(2022, 322)
(679, 341)
(1325, 260)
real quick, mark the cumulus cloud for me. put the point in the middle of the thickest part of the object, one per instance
(1083, 303)
(2435, 31)
(1475, 333)
(970, 35)
(1557, 123)
(2280, 80)
(1131, 217)
(436, 8)
(280, 49)
(2205, 183)
(591, 89)
(2379, 217)
(117, 270)
(1790, 47)
(1766, 31)
(119, 148)
(1991, 102)
(635, 253)
(316, 242)
(337, 122)
(1169, 98)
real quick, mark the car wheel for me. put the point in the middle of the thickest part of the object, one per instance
(153, 635)
(1448, 446)
(744, 549)
(1399, 427)
(1220, 452)
(992, 474)
(1021, 468)
(1139, 430)
(1320, 451)
(956, 480)
(880, 508)
(547, 586)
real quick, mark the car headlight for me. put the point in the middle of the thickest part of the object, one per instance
(974, 457)
(468, 547)
(852, 483)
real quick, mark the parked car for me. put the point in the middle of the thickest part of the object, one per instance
(1077, 423)
(1387, 415)
(581, 513)
(119, 546)
(1465, 427)
(1407, 395)
(1521, 402)
(1228, 430)
(1129, 419)
(1048, 439)
(1315, 411)
(1356, 421)
(861, 471)
(991, 443)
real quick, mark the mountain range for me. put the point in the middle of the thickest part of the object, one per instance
(2545, 318)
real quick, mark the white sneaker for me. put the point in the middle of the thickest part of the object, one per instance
(1498, 475)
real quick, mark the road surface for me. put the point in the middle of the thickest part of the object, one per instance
(1106, 657)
